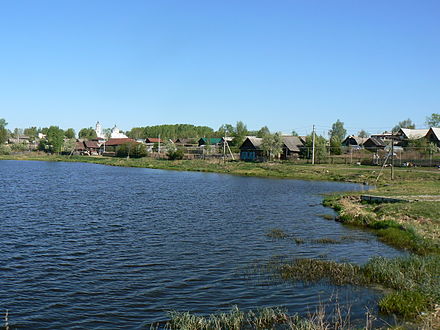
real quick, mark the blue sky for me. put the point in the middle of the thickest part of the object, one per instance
(284, 64)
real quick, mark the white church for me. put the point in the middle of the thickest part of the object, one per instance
(115, 132)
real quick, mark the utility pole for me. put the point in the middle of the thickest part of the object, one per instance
(158, 147)
(313, 145)
(224, 148)
(392, 156)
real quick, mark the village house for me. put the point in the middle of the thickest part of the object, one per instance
(110, 146)
(292, 146)
(353, 141)
(433, 136)
(374, 144)
(251, 149)
(210, 141)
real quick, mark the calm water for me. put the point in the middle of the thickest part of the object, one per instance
(92, 246)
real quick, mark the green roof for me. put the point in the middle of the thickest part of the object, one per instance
(211, 140)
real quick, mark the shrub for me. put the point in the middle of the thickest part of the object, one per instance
(132, 149)
(175, 154)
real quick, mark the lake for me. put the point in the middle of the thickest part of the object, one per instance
(92, 246)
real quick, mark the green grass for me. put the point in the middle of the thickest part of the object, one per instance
(415, 279)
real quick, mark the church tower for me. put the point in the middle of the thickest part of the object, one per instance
(98, 130)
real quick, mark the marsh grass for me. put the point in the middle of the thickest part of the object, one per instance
(415, 279)
(268, 318)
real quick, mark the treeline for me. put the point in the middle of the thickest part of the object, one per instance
(171, 131)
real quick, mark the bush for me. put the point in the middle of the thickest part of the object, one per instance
(134, 150)
(175, 154)
(4, 149)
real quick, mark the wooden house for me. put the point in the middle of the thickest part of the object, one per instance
(433, 136)
(92, 147)
(292, 146)
(353, 141)
(251, 150)
(374, 144)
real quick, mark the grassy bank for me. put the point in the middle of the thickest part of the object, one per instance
(342, 173)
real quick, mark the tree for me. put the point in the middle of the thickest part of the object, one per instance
(294, 133)
(226, 130)
(132, 149)
(263, 131)
(363, 134)
(69, 133)
(69, 145)
(240, 133)
(55, 139)
(433, 120)
(32, 132)
(3, 131)
(18, 132)
(407, 123)
(338, 131)
(87, 133)
(272, 145)
(335, 146)
(320, 148)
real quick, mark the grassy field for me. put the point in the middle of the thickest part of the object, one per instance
(413, 282)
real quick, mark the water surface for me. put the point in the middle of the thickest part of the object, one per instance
(92, 246)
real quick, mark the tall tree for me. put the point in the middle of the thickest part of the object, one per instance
(3, 131)
(294, 133)
(87, 133)
(263, 131)
(320, 148)
(433, 120)
(240, 133)
(272, 145)
(338, 131)
(69, 133)
(226, 130)
(407, 123)
(363, 134)
(31, 132)
(55, 138)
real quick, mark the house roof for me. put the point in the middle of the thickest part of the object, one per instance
(79, 145)
(436, 132)
(91, 144)
(293, 143)
(153, 140)
(409, 133)
(256, 142)
(359, 140)
(210, 140)
(375, 141)
(117, 142)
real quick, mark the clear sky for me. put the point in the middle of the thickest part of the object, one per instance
(284, 64)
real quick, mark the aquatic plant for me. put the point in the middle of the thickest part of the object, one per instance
(277, 234)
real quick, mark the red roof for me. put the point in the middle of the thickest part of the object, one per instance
(153, 140)
(118, 142)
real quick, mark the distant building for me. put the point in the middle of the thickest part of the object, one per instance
(433, 136)
(115, 132)
(354, 141)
